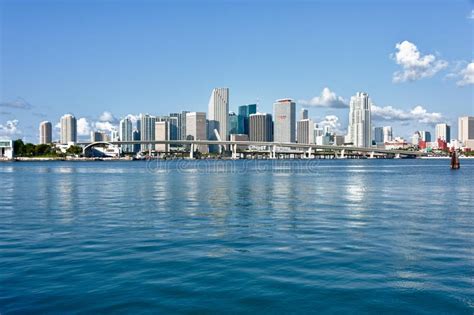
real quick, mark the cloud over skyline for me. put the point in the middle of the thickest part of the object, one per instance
(327, 98)
(10, 129)
(417, 113)
(415, 66)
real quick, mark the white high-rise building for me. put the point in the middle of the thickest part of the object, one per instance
(46, 132)
(162, 132)
(305, 131)
(387, 134)
(196, 128)
(260, 127)
(443, 132)
(219, 113)
(147, 130)
(359, 120)
(68, 129)
(466, 128)
(126, 134)
(285, 120)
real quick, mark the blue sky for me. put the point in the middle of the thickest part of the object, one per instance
(127, 57)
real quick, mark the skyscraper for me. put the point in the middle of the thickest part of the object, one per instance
(46, 132)
(285, 120)
(304, 114)
(359, 120)
(196, 128)
(243, 117)
(183, 124)
(261, 127)
(305, 131)
(233, 123)
(219, 113)
(443, 132)
(387, 134)
(425, 136)
(147, 132)
(136, 137)
(175, 126)
(126, 134)
(378, 135)
(162, 132)
(68, 129)
(465, 128)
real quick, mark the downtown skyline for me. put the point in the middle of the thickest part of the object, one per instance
(415, 81)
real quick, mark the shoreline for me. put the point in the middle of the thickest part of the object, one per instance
(33, 159)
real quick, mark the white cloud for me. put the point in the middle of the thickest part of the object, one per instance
(467, 75)
(327, 98)
(133, 118)
(83, 127)
(10, 128)
(333, 122)
(104, 126)
(415, 66)
(107, 117)
(471, 15)
(417, 113)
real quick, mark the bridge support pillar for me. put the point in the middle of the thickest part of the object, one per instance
(234, 151)
(372, 155)
(310, 153)
(343, 154)
(273, 152)
(397, 156)
(191, 151)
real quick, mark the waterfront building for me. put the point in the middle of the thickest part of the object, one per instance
(114, 135)
(425, 136)
(261, 127)
(162, 132)
(243, 117)
(219, 113)
(378, 135)
(233, 123)
(46, 132)
(126, 134)
(465, 129)
(68, 131)
(443, 132)
(147, 130)
(176, 126)
(285, 120)
(304, 114)
(387, 134)
(136, 137)
(196, 128)
(359, 130)
(338, 140)
(305, 131)
(99, 136)
(415, 139)
(6, 149)
(183, 124)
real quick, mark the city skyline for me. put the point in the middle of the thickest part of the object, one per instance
(415, 81)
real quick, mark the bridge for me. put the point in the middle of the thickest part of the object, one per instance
(306, 149)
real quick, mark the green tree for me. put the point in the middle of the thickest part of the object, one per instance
(74, 149)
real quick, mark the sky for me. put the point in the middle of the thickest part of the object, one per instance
(103, 60)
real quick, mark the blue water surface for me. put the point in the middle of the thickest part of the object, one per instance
(336, 236)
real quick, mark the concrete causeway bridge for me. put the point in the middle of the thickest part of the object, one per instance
(273, 149)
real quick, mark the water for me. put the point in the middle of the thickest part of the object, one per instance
(248, 236)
